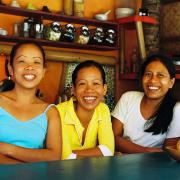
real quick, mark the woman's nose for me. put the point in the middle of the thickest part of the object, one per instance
(29, 67)
(154, 78)
(89, 87)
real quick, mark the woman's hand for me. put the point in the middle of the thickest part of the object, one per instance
(154, 149)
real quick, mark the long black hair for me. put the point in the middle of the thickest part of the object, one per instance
(164, 114)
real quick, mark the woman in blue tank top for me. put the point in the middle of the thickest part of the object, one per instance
(30, 129)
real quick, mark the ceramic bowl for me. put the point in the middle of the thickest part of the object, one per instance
(174, 153)
(124, 12)
(101, 17)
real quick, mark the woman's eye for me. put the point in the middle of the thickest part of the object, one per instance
(21, 61)
(81, 83)
(97, 83)
(147, 74)
(160, 75)
(37, 62)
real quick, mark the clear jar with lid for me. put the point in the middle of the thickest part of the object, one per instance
(53, 31)
(110, 37)
(69, 33)
(98, 37)
(84, 35)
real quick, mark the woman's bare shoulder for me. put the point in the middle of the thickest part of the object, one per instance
(51, 111)
(5, 98)
(5, 95)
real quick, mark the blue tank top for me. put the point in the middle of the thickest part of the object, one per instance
(28, 134)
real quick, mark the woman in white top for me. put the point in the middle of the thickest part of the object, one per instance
(147, 121)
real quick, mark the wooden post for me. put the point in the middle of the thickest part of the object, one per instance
(141, 43)
(122, 49)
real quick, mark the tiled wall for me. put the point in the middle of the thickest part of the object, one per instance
(151, 32)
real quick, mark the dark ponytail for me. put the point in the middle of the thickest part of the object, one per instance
(164, 115)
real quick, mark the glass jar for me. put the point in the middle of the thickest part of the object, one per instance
(84, 35)
(98, 37)
(110, 37)
(69, 33)
(53, 31)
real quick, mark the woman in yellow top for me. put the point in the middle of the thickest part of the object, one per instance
(86, 121)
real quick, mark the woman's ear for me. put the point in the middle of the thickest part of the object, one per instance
(10, 70)
(172, 81)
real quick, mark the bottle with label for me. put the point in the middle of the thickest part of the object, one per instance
(68, 7)
(79, 8)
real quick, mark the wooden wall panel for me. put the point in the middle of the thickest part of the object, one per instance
(50, 85)
(2, 69)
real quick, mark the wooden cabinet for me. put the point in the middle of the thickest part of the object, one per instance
(53, 81)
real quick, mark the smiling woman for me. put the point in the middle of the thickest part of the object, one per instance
(86, 122)
(144, 121)
(30, 129)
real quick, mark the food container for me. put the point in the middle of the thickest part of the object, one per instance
(98, 37)
(84, 35)
(69, 33)
(110, 37)
(53, 31)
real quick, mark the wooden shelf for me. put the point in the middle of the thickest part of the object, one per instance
(45, 42)
(55, 16)
(131, 19)
(58, 17)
